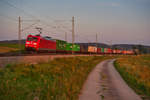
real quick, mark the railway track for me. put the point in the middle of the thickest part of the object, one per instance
(42, 54)
(32, 54)
(9, 54)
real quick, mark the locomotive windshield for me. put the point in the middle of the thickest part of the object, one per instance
(32, 39)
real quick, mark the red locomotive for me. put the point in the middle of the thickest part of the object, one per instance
(39, 43)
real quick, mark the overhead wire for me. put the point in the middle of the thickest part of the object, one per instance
(21, 10)
(29, 26)
(26, 13)
(83, 37)
(9, 18)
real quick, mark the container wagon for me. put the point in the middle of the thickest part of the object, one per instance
(109, 51)
(61, 46)
(102, 50)
(92, 49)
(99, 50)
(105, 50)
(118, 51)
(84, 49)
(114, 51)
(74, 48)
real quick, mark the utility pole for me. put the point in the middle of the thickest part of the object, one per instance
(96, 42)
(72, 34)
(111, 46)
(19, 32)
(66, 36)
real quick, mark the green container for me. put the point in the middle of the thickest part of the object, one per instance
(68, 47)
(61, 45)
(102, 50)
(75, 47)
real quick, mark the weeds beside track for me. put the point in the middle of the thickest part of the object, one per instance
(60, 79)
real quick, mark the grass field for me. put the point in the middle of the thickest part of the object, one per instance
(59, 79)
(9, 47)
(136, 72)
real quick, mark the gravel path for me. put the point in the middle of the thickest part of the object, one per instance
(105, 83)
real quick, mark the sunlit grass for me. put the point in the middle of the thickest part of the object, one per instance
(9, 47)
(136, 72)
(60, 79)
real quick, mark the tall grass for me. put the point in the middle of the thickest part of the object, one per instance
(136, 72)
(60, 79)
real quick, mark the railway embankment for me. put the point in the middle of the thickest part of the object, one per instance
(31, 59)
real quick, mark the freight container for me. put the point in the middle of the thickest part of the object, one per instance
(124, 51)
(131, 52)
(118, 51)
(109, 50)
(102, 50)
(98, 50)
(128, 52)
(95, 49)
(69, 47)
(92, 49)
(105, 50)
(76, 47)
(114, 51)
(83, 49)
(61, 45)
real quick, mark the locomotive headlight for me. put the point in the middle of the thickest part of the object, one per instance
(27, 42)
(34, 43)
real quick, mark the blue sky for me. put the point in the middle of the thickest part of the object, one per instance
(115, 21)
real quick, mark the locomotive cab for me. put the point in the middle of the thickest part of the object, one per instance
(32, 43)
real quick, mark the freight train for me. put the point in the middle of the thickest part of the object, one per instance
(37, 43)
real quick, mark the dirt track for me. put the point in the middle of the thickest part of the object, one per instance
(105, 83)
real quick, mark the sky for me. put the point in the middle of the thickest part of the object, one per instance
(114, 21)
